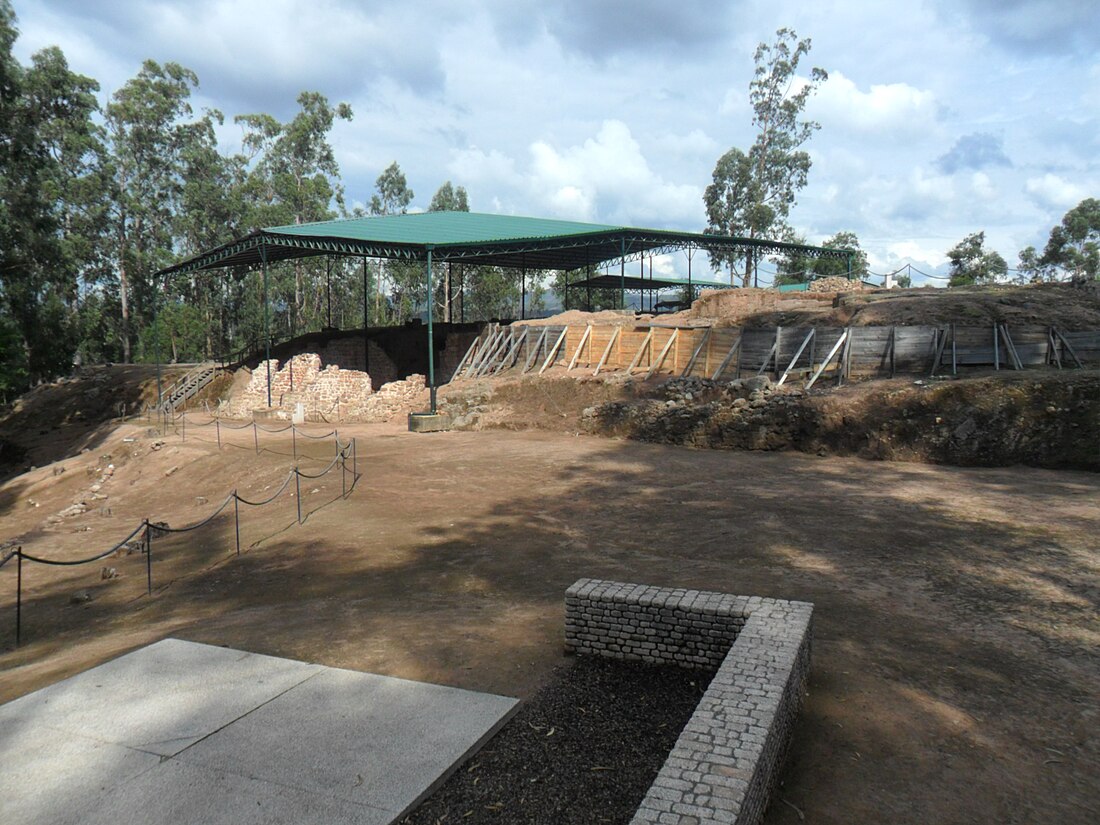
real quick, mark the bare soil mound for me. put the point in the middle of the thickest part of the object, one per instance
(1062, 305)
(61, 418)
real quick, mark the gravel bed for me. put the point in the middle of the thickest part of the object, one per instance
(584, 750)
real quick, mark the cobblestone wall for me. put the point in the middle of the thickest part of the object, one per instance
(724, 766)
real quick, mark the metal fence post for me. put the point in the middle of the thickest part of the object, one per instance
(343, 475)
(354, 463)
(294, 440)
(237, 520)
(148, 558)
(19, 596)
(256, 437)
(183, 418)
(218, 429)
(298, 493)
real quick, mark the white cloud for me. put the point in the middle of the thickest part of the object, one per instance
(1053, 192)
(607, 178)
(891, 108)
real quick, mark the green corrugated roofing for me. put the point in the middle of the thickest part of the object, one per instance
(444, 228)
(471, 237)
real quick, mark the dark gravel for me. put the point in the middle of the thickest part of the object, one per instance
(584, 750)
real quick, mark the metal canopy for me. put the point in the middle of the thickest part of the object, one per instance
(636, 282)
(499, 240)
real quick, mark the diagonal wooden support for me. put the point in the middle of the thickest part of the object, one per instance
(794, 360)
(580, 347)
(641, 348)
(736, 348)
(1069, 348)
(535, 352)
(607, 350)
(768, 358)
(832, 353)
(1011, 347)
(938, 356)
(664, 353)
(502, 341)
(553, 351)
(695, 355)
(479, 359)
(466, 357)
(513, 352)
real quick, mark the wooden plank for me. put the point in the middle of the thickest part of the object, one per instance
(607, 352)
(554, 350)
(580, 346)
(462, 363)
(996, 347)
(497, 351)
(695, 355)
(729, 357)
(1069, 348)
(533, 354)
(893, 348)
(767, 359)
(794, 360)
(641, 348)
(1052, 349)
(836, 347)
(1011, 347)
(513, 353)
(941, 337)
(490, 343)
(954, 358)
(656, 365)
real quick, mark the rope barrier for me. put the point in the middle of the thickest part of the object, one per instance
(149, 529)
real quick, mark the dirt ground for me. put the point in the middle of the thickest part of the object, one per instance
(1063, 305)
(956, 626)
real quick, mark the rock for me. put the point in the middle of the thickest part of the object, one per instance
(758, 383)
(108, 573)
(171, 470)
(58, 471)
(95, 488)
(80, 597)
(200, 500)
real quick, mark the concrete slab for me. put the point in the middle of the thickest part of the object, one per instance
(50, 776)
(180, 732)
(184, 794)
(161, 698)
(387, 742)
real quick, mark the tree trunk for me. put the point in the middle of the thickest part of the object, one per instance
(124, 298)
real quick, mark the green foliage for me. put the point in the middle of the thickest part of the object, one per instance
(798, 268)
(971, 263)
(751, 195)
(50, 192)
(1074, 245)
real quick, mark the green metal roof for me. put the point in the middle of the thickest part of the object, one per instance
(471, 237)
(633, 282)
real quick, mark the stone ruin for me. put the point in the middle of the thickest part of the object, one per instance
(325, 394)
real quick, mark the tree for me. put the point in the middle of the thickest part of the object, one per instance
(146, 136)
(1074, 245)
(449, 199)
(50, 158)
(294, 179)
(971, 263)
(800, 267)
(752, 194)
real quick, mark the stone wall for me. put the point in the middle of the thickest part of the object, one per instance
(726, 762)
(330, 394)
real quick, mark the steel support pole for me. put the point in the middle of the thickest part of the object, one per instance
(328, 287)
(622, 273)
(237, 520)
(267, 322)
(431, 339)
(298, 493)
(523, 286)
(366, 340)
(148, 558)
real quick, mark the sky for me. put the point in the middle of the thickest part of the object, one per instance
(940, 117)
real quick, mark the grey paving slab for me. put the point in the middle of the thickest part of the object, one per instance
(180, 732)
(179, 793)
(161, 698)
(50, 777)
(386, 742)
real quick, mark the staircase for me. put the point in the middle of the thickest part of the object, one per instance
(188, 386)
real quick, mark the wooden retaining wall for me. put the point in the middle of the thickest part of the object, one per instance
(787, 353)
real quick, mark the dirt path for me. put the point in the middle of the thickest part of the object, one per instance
(955, 671)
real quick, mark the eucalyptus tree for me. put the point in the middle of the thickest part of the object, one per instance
(751, 193)
(294, 179)
(147, 131)
(50, 186)
(971, 263)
